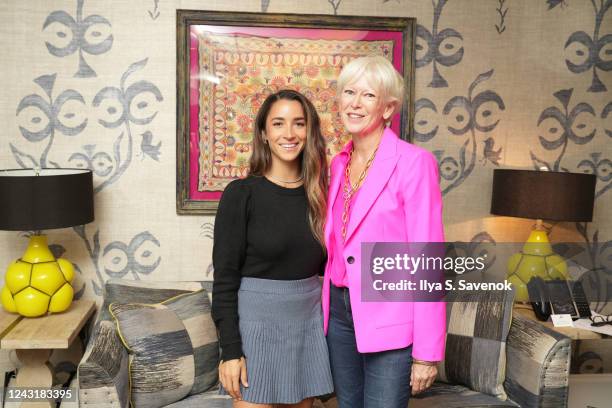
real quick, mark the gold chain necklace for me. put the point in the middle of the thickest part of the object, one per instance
(349, 190)
(284, 181)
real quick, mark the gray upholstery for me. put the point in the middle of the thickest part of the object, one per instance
(538, 365)
(209, 399)
(477, 331)
(536, 372)
(442, 395)
(103, 370)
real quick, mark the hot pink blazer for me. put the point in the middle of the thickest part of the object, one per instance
(399, 201)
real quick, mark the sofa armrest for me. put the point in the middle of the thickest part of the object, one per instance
(103, 376)
(538, 362)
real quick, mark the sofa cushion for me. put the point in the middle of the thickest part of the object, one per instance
(209, 399)
(441, 395)
(477, 329)
(173, 347)
(137, 291)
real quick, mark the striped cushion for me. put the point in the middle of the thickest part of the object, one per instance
(173, 348)
(122, 291)
(478, 326)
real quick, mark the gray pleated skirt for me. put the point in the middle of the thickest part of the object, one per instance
(281, 326)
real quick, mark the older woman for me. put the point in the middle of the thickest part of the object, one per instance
(382, 190)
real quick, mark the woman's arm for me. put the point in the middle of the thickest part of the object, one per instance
(228, 256)
(423, 215)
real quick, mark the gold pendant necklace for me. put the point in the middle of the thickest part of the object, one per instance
(349, 190)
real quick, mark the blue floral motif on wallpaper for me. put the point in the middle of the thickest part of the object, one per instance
(49, 110)
(479, 246)
(564, 126)
(575, 124)
(87, 34)
(147, 148)
(124, 107)
(554, 3)
(207, 230)
(129, 105)
(501, 11)
(139, 257)
(116, 108)
(602, 168)
(335, 4)
(99, 162)
(155, 12)
(586, 52)
(467, 116)
(443, 47)
(598, 279)
(607, 111)
(422, 131)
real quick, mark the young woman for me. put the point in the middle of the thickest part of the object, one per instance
(382, 189)
(268, 253)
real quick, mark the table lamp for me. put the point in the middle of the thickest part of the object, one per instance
(540, 195)
(35, 200)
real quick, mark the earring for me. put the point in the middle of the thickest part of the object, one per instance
(266, 141)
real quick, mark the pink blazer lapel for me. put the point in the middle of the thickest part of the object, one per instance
(375, 181)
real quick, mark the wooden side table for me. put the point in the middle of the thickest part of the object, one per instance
(571, 332)
(35, 338)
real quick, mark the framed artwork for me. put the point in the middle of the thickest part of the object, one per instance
(228, 63)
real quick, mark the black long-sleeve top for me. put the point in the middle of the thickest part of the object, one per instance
(261, 231)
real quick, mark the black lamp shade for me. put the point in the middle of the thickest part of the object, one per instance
(545, 195)
(55, 198)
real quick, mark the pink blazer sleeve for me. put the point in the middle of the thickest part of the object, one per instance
(423, 215)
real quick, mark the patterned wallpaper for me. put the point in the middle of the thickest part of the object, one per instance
(499, 84)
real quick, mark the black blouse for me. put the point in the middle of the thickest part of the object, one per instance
(261, 231)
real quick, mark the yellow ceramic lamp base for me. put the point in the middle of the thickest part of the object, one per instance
(38, 283)
(536, 259)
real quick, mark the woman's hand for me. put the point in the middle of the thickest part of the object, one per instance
(231, 374)
(422, 376)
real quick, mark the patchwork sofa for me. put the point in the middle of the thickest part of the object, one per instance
(534, 369)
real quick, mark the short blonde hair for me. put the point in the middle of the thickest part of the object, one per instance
(380, 73)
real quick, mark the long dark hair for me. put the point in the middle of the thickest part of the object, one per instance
(313, 159)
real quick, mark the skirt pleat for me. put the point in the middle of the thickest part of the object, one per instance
(281, 326)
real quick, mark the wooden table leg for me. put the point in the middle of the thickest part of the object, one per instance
(35, 372)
